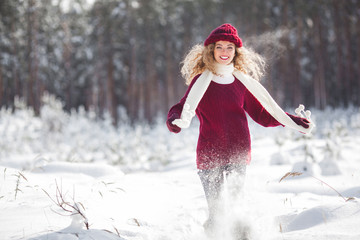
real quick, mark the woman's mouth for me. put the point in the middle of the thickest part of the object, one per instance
(224, 57)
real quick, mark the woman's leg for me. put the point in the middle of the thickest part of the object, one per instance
(235, 179)
(212, 181)
(213, 184)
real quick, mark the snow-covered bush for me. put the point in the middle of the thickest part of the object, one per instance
(19, 130)
(79, 136)
(52, 115)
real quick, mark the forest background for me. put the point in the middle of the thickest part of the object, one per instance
(123, 57)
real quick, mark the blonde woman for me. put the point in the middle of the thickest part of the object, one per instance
(223, 86)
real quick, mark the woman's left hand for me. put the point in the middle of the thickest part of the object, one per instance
(299, 120)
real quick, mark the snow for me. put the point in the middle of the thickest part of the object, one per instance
(141, 182)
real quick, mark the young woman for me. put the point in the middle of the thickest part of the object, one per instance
(223, 86)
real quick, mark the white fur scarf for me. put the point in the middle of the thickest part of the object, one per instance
(261, 94)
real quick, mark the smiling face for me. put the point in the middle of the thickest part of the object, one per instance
(224, 52)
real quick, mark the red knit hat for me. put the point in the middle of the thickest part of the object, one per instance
(225, 32)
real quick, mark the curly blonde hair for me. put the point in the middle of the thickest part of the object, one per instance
(201, 57)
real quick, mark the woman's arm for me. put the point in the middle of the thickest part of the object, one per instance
(259, 114)
(175, 111)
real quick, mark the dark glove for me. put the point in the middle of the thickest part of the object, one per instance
(173, 128)
(299, 120)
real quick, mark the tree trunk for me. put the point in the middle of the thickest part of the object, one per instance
(149, 80)
(132, 89)
(349, 69)
(14, 68)
(170, 81)
(67, 52)
(1, 88)
(319, 81)
(339, 92)
(31, 58)
(296, 86)
(285, 79)
(295, 54)
(357, 86)
(111, 101)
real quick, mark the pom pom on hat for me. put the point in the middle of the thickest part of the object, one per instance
(225, 32)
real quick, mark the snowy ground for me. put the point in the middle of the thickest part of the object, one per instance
(158, 195)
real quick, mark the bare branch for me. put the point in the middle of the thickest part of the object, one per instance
(71, 209)
(291, 174)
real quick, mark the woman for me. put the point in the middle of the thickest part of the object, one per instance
(223, 86)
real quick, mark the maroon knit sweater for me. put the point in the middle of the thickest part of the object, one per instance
(224, 133)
